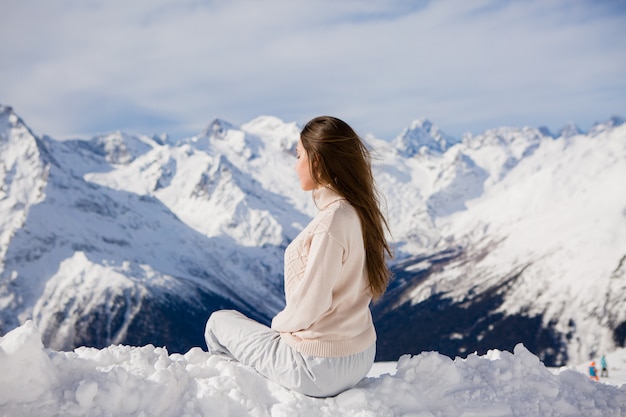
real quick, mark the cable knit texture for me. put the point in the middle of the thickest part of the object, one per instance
(326, 288)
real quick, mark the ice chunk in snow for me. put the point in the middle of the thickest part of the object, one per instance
(27, 372)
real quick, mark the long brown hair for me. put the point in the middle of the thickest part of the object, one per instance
(339, 158)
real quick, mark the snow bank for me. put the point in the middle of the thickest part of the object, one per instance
(147, 381)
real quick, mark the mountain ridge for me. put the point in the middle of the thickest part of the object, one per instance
(202, 223)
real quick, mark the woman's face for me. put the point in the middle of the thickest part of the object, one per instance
(303, 169)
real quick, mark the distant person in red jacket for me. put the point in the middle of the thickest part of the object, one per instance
(593, 372)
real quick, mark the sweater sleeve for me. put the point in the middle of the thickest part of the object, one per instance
(312, 297)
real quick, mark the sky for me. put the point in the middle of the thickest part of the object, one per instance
(75, 68)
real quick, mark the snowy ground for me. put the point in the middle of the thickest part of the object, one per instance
(147, 381)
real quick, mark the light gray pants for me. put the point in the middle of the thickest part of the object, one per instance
(230, 333)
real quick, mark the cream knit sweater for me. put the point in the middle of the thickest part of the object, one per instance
(326, 288)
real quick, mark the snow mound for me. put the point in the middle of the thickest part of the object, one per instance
(147, 381)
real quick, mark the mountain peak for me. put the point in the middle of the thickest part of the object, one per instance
(118, 147)
(5, 109)
(569, 130)
(265, 122)
(616, 120)
(420, 134)
(423, 123)
(217, 129)
(9, 119)
(599, 127)
(545, 131)
(274, 132)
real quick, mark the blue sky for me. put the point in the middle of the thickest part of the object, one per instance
(74, 68)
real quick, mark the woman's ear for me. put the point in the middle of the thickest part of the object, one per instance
(315, 162)
(315, 167)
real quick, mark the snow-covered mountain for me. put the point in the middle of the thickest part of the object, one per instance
(513, 235)
(535, 249)
(96, 264)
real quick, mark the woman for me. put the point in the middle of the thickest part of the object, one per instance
(323, 342)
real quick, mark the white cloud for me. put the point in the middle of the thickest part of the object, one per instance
(72, 67)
